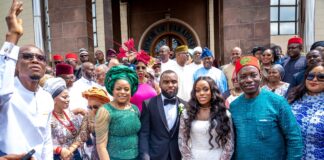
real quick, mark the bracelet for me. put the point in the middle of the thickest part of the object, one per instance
(58, 150)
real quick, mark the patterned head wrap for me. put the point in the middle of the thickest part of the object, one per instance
(121, 72)
(182, 48)
(55, 86)
(96, 93)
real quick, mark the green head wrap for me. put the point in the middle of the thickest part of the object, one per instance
(121, 72)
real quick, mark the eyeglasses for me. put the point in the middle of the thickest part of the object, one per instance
(319, 76)
(30, 56)
(84, 55)
(140, 67)
(93, 107)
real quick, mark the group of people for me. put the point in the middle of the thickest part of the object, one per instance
(130, 106)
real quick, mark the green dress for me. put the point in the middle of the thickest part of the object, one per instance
(265, 128)
(124, 126)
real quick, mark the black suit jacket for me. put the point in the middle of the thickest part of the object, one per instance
(156, 142)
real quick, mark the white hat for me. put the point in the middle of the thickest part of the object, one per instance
(197, 49)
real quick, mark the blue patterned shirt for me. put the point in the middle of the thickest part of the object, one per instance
(309, 112)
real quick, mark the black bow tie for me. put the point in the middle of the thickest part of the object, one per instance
(170, 101)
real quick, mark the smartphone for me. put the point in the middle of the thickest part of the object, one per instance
(28, 155)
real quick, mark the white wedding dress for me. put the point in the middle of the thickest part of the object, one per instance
(199, 138)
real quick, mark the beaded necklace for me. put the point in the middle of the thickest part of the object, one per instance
(69, 127)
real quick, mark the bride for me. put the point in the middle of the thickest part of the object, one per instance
(206, 130)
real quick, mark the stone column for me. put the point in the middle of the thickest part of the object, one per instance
(112, 23)
(71, 25)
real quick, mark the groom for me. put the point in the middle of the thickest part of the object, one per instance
(158, 139)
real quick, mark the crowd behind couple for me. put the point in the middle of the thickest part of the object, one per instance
(247, 110)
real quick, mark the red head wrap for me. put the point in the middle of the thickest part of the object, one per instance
(143, 57)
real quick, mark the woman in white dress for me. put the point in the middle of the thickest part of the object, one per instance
(206, 130)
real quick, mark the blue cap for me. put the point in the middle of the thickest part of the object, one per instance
(206, 53)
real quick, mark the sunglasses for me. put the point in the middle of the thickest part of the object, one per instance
(30, 56)
(93, 107)
(140, 67)
(319, 77)
(57, 62)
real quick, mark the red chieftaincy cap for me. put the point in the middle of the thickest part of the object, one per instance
(295, 39)
(71, 55)
(246, 61)
(57, 57)
(63, 68)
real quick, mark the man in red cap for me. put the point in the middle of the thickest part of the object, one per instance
(295, 62)
(262, 120)
(57, 58)
(72, 59)
(65, 71)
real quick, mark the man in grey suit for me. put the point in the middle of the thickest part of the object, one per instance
(158, 139)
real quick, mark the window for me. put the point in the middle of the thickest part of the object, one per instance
(94, 24)
(283, 17)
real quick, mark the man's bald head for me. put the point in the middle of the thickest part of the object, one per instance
(236, 53)
(88, 70)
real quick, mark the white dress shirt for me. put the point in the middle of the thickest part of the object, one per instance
(170, 112)
(75, 93)
(24, 115)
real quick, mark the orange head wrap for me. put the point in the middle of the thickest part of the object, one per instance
(96, 93)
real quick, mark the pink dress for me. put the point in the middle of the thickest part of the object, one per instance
(144, 92)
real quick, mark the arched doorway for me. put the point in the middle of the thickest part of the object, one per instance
(171, 40)
(168, 32)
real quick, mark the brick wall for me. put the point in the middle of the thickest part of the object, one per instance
(246, 23)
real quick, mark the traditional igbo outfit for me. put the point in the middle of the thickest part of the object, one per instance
(309, 112)
(64, 130)
(144, 90)
(122, 127)
(265, 128)
(198, 146)
(293, 66)
(29, 112)
(87, 126)
(62, 136)
(216, 74)
(119, 127)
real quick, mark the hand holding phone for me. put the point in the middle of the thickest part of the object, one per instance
(29, 155)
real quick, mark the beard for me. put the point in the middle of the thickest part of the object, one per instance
(35, 77)
(170, 95)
